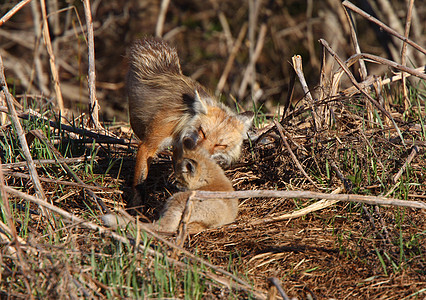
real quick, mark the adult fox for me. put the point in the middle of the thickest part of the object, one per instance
(167, 108)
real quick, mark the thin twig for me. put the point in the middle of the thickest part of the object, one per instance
(373, 224)
(347, 184)
(80, 131)
(371, 79)
(22, 139)
(355, 82)
(323, 73)
(231, 59)
(161, 18)
(48, 161)
(310, 36)
(289, 97)
(12, 230)
(13, 11)
(319, 205)
(410, 157)
(363, 68)
(93, 101)
(225, 25)
(182, 227)
(53, 69)
(385, 27)
(101, 285)
(404, 56)
(40, 135)
(19, 67)
(254, 49)
(62, 182)
(250, 72)
(293, 156)
(392, 64)
(53, 8)
(298, 68)
(38, 66)
(275, 282)
(7, 230)
(372, 150)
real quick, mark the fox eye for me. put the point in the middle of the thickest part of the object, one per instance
(220, 146)
(203, 134)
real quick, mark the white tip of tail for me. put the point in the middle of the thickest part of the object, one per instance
(114, 221)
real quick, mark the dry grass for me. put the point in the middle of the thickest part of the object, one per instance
(353, 133)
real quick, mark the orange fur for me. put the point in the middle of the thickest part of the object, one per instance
(167, 108)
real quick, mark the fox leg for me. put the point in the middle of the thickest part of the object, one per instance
(147, 150)
(144, 157)
(141, 165)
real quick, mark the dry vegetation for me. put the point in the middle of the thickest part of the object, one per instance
(346, 124)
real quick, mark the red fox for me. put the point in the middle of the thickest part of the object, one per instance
(167, 108)
(195, 170)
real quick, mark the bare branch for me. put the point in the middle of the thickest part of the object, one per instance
(53, 69)
(410, 157)
(384, 26)
(161, 18)
(373, 200)
(354, 82)
(101, 138)
(231, 59)
(276, 283)
(13, 11)
(22, 139)
(93, 102)
(293, 156)
(404, 55)
(40, 135)
(355, 43)
(298, 68)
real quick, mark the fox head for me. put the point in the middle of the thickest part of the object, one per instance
(194, 168)
(221, 133)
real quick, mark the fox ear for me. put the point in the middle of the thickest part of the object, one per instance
(247, 119)
(189, 166)
(200, 105)
(196, 103)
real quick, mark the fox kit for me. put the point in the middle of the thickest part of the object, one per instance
(197, 171)
(167, 108)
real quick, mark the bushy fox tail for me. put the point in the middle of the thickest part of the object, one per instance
(151, 57)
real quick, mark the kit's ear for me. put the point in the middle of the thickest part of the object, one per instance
(188, 166)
